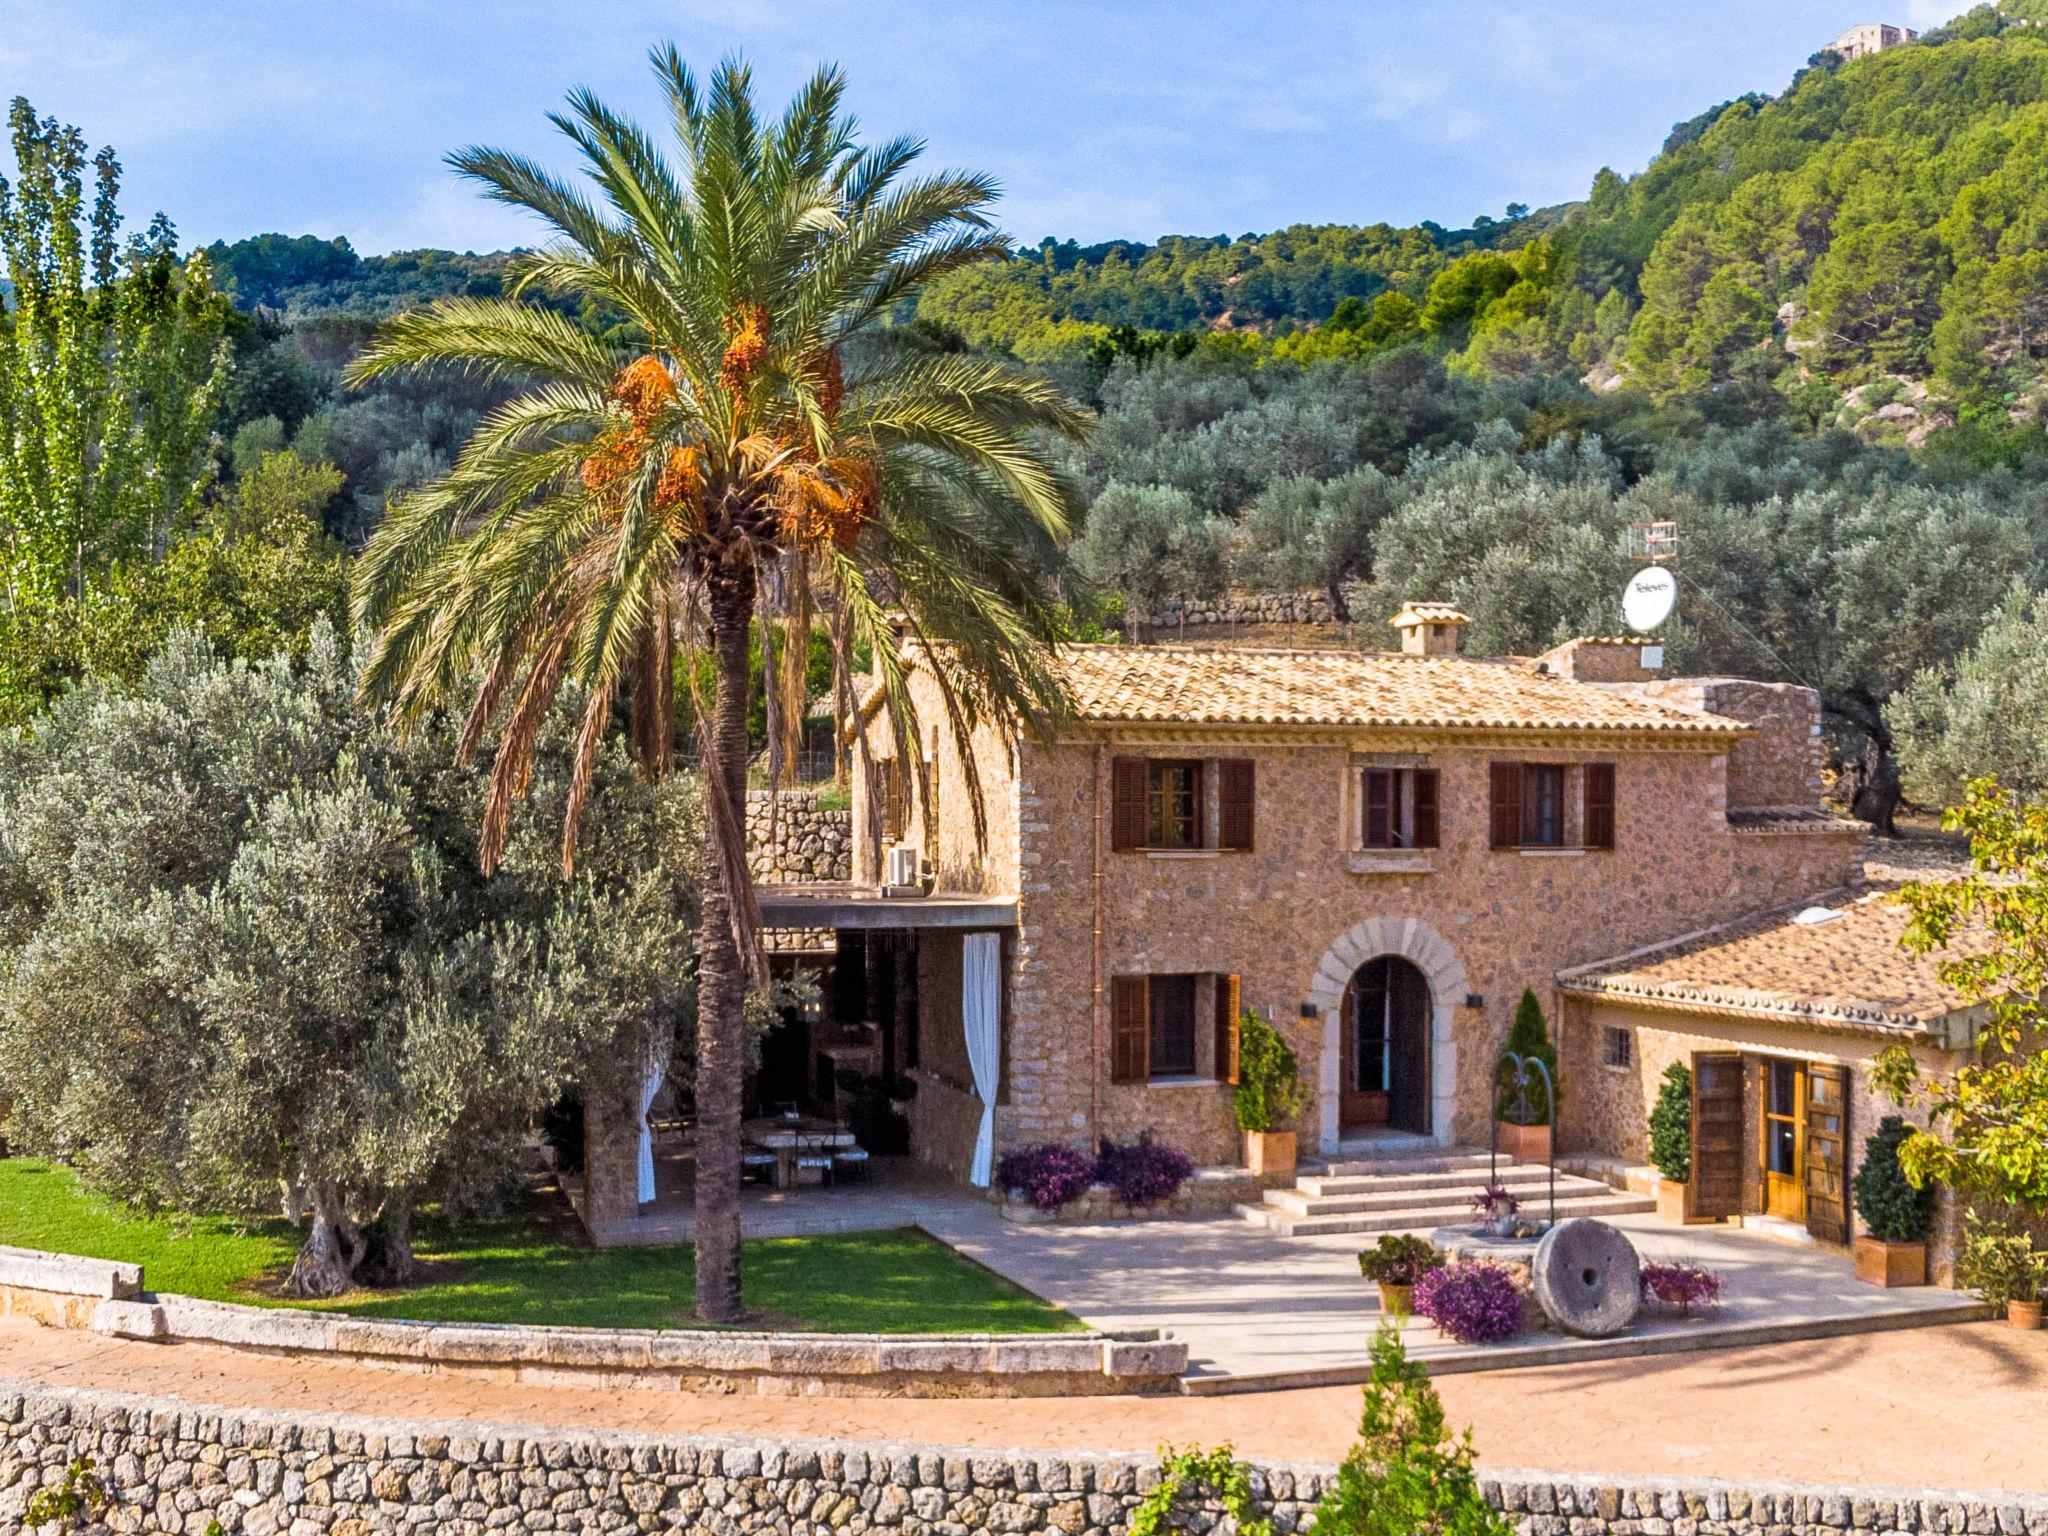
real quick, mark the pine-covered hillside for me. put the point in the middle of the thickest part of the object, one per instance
(1877, 232)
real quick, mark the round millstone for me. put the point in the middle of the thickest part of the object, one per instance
(1587, 1278)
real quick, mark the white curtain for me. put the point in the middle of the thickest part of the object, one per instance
(981, 1013)
(650, 1085)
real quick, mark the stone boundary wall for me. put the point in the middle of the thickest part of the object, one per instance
(791, 841)
(173, 1466)
(39, 1286)
(1243, 608)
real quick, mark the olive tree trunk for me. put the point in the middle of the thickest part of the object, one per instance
(721, 970)
(327, 1260)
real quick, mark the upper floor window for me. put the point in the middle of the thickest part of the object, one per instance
(1176, 803)
(1173, 805)
(1397, 808)
(1533, 805)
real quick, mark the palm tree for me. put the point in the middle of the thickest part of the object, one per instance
(757, 444)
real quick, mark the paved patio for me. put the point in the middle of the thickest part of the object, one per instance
(1259, 1311)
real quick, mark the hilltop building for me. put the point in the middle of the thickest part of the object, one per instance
(1870, 37)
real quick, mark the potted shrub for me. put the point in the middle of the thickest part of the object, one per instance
(1394, 1264)
(1523, 1116)
(2005, 1269)
(1898, 1216)
(1269, 1095)
(1671, 1143)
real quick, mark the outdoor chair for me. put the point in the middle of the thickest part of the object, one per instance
(851, 1161)
(758, 1163)
(814, 1154)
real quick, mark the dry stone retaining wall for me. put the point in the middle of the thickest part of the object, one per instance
(1244, 608)
(173, 1467)
(791, 841)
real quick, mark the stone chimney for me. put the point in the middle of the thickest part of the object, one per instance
(1429, 629)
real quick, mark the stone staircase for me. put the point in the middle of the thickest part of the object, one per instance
(1419, 1192)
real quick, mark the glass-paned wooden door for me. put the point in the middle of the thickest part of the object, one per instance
(1784, 1130)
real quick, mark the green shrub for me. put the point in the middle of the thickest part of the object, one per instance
(1890, 1206)
(1408, 1473)
(1201, 1475)
(1528, 1037)
(1671, 1125)
(2001, 1265)
(1269, 1091)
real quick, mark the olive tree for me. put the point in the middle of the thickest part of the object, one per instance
(247, 959)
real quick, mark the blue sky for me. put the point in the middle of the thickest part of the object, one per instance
(1114, 118)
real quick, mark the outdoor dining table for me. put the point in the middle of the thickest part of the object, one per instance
(784, 1138)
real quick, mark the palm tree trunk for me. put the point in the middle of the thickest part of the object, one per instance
(721, 971)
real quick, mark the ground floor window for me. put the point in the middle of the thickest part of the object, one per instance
(1618, 1047)
(1173, 1026)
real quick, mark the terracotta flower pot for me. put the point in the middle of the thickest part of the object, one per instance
(1890, 1264)
(1397, 1300)
(1269, 1151)
(2023, 1314)
(1524, 1143)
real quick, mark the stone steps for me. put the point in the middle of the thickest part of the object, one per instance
(1365, 1196)
(1422, 1193)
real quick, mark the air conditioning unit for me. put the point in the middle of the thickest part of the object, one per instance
(903, 867)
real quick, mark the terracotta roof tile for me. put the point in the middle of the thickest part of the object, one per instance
(1192, 685)
(1848, 971)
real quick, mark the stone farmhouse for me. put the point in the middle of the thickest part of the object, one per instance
(1377, 852)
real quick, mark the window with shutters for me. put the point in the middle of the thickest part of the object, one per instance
(1397, 808)
(1552, 806)
(1176, 1028)
(1178, 805)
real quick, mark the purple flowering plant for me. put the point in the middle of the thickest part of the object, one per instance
(1143, 1172)
(1471, 1300)
(1048, 1174)
(1683, 1286)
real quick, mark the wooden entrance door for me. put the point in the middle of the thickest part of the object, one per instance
(1716, 1186)
(1827, 1153)
(1784, 1136)
(1385, 1077)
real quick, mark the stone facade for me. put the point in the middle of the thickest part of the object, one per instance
(791, 840)
(1778, 768)
(174, 1467)
(1868, 38)
(1293, 916)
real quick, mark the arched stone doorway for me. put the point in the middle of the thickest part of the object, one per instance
(1415, 997)
(1383, 1067)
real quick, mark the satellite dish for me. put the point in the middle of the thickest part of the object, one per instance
(1648, 599)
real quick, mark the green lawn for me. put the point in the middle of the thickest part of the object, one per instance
(512, 1272)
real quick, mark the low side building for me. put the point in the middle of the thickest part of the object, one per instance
(1780, 1018)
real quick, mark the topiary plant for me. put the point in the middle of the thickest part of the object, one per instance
(1890, 1206)
(1529, 1037)
(1671, 1125)
(1269, 1091)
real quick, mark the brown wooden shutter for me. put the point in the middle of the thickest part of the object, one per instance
(1507, 805)
(896, 786)
(1827, 1153)
(1130, 1029)
(1425, 808)
(1716, 1135)
(1228, 1006)
(1379, 808)
(1127, 801)
(1599, 805)
(1237, 780)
